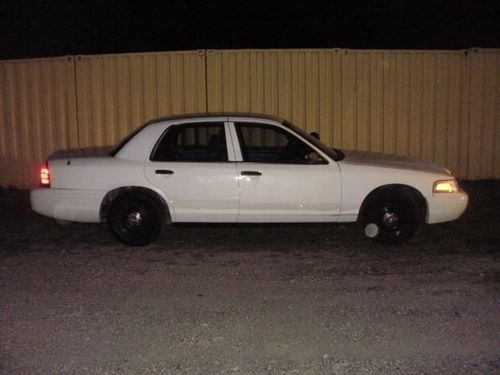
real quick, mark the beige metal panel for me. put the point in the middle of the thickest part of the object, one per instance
(484, 123)
(463, 157)
(312, 94)
(325, 93)
(215, 82)
(391, 119)
(440, 143)
(363, 136)
(489, 109)
(450, 135)
(376, 102)
(402, 97)
(496, 157)
(298, 93)
(476, 121)
(490, 163)
(37, 117)
(349, 102)
(452, 126)
(416, 103)
(271, 83)
(410, 98)
(257, 93)
(429, 106)
(336, 100)
(117, 93)
(389, 85)
(287, 83)
(436, 105)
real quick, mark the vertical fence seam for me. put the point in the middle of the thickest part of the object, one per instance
(205, 52)
(77, 113)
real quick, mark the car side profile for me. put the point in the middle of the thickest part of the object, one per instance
(241, 168)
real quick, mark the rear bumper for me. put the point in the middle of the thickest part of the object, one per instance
(446, 207)
(68, 204)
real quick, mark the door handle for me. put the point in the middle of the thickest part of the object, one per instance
(164, 171)
(250, 173)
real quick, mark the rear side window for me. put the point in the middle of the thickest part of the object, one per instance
(204, 142)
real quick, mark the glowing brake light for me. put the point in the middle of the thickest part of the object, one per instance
(45, 176)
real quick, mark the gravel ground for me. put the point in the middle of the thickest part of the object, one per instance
(252, 299)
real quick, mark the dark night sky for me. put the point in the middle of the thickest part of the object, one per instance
(56, 28)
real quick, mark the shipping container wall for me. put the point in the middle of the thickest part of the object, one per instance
(434, 105)
(440, 106)
(117, 93)
(303, 86)
(37, 116)
(483, 138)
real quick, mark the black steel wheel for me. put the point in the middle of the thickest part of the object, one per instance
(136, 219)
(391, 217)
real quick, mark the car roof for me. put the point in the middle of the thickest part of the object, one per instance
(190, 116)
(217, 114)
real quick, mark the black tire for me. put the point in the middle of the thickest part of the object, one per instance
(136, 219)
(391, 217)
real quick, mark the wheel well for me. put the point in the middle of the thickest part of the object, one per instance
(115, 193)
(396, 188)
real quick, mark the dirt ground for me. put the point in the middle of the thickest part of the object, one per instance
(252, 299)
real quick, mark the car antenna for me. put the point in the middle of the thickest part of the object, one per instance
(68, 162)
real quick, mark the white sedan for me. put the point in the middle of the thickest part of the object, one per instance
(241, 168)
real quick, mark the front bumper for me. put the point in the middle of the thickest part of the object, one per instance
(68, 204)
(444, 207)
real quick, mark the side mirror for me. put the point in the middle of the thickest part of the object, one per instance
(315, 135)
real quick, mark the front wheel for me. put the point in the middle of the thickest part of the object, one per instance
(136, 219)
(391, 217)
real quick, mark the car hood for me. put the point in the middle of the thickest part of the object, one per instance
(86, 152)
(391, 161)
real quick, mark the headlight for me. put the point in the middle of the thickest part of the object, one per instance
(445, 186)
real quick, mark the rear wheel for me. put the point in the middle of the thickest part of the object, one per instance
(391, 217)
(136, 219)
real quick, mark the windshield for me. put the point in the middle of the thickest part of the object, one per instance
(334, 153)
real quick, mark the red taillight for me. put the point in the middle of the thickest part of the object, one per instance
(45, 176)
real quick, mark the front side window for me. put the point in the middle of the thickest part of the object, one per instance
(270, 144)
(205, 142)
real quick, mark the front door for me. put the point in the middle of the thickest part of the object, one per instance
(283, 178)
(190, 165)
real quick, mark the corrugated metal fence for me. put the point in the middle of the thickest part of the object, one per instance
(436, 105)
(37, 116)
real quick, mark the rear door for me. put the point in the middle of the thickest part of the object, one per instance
(193, 164)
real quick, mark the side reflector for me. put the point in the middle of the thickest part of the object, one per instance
(445, 186)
